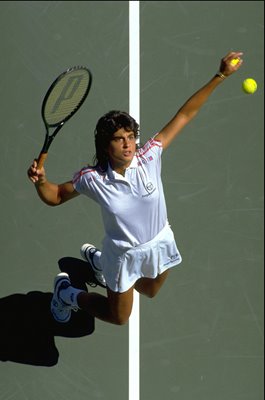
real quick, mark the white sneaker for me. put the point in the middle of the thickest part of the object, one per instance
(87, 252)
(61, 311)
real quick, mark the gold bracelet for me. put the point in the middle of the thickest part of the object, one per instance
(222, 76)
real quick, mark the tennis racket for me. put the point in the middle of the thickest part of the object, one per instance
(64, 97)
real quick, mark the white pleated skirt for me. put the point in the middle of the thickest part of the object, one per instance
(122, 268)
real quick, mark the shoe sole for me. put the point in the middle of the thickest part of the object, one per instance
(59, 278)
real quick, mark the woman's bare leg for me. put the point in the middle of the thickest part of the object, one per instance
(115, 308)
(149, 287)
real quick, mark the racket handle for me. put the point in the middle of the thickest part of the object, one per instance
(41, 160)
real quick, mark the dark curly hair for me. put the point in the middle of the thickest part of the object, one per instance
(106, 126)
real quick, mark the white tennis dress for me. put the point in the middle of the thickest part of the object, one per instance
(138, 239)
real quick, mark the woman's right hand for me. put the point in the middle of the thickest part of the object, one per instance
(36, 175)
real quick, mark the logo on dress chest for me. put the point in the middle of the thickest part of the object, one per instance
(149, 187)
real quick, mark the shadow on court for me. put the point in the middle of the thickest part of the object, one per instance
(27, 329)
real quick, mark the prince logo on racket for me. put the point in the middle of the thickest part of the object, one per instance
(139, 247)
(68, 91)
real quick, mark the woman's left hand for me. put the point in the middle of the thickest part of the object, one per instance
(231, 63)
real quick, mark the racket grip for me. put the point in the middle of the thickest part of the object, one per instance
(41, 160)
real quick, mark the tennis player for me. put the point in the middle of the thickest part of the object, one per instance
(139, 247)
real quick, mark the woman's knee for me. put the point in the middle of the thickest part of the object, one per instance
(151, 291)
(150, 287)
(120, 316)
(120, 319)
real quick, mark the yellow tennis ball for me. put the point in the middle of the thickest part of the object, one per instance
(249, 86)
(235, 61)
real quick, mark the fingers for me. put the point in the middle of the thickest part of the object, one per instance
(234, 59)
(34, 173)
(231, 62)
(232, 55)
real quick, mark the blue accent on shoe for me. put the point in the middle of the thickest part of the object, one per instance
(61, 311)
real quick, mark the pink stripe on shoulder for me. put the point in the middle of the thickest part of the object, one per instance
(149, 145)
(83, 172)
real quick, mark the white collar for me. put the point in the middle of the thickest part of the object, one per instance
(115, 175)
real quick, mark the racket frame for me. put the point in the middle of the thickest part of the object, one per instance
(49, 138)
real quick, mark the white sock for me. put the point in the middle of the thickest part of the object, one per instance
(70, 294)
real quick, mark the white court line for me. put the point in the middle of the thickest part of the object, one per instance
(134, 104)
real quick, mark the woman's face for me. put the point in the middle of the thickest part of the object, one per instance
(121, 149)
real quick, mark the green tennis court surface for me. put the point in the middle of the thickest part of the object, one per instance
(202, 337)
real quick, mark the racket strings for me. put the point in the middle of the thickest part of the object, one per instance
(66, 96)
